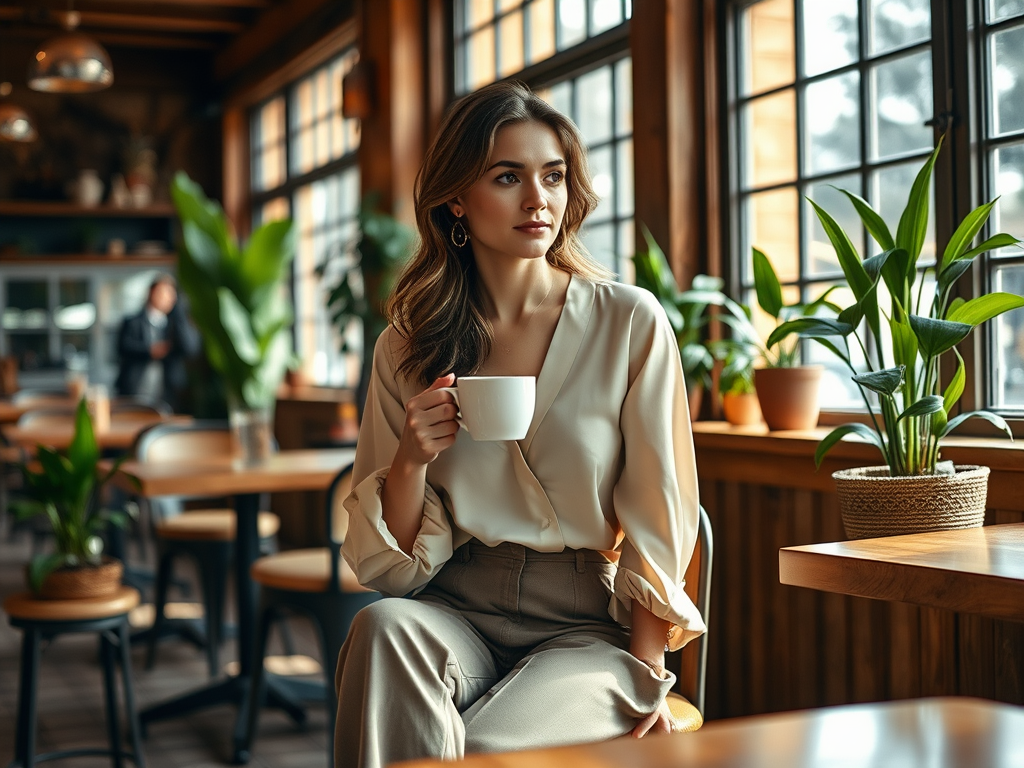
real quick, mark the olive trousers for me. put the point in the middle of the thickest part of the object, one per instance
(506, 649)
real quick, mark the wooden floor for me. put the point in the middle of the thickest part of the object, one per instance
(71, 711)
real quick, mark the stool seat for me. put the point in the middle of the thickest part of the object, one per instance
(686, 718)
(303, 570)
(27, 607)
(212, 525)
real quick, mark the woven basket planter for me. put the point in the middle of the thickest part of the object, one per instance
(87, 581)
(875, 504)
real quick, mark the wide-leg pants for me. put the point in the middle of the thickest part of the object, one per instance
(506, 649)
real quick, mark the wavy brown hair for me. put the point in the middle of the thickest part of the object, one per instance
(437, 304)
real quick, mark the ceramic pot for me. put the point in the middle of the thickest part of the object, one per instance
(84, 581)
(789, 396)
(874, 504)
(741, 410)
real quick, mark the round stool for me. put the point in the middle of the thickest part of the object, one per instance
(45, 619)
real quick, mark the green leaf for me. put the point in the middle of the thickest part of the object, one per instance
(810, 328)
(990, 417)
(766, 285)
(983, 308)
(1002, 240)
(235, 320)
(950, 275)
(936, 336)
(853, 267)
(884, 382)
(913, 224)
(42, 566)
(924, 406)
(874, 223)
(83, 452)
(837, 434)
(267, 254)
(904, 343)
(874, 265)
(898, 274)
(965, 233)
(956, 385)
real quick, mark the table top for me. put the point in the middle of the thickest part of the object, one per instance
(10, 412)
(299, 470)
(975, 570)
(935, 732)
(121, 433)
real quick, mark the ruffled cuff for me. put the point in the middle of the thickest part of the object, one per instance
(674, 606)
(373, 552)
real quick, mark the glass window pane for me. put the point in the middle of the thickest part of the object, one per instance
(768, 45)
(594, 105)
(599, 239)
(478, 12)
(627, 246)
(624, 177)
(1008, 344)
(1004, 9)
(770, 139)
(832, 123)
(604, 182)
(831, 35)
(821, 257)
(507, 5)
(772, 227)
(890, 189)
(480, 61)
(604, 14)
(902, 97)
(897, 23)
(1008, 81)
(837, 389)
(558, 96)
(572, 23)
(31, 350)
(511, 36)
(624, 97)
(542, 29)
(27, 304)
(1008, 182)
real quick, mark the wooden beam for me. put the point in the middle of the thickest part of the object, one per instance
(137, 21)
(188, 3)
(35, 35)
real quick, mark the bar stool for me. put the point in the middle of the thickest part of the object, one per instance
(45, 619)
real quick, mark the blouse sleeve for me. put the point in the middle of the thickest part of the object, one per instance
(370, 548)
(656, 495)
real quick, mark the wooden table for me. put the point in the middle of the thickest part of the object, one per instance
(976, 570)
(302, 470)
(120, 436)
(936, 733)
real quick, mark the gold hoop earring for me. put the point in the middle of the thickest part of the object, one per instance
(459, 234)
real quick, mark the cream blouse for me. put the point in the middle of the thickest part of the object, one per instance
(607, 464)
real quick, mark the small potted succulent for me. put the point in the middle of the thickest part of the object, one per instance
(64, 489)
(904, 341)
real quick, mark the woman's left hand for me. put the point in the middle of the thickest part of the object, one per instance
(659, 721)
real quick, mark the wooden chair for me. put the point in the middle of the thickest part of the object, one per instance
(43, 620)
(133, 405)
(205, 535)
(686, 702)
(320, 584)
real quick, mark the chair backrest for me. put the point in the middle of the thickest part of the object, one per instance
(337, 520)
(176, 441)
(42, 418)
(131, 405)
(693, 659)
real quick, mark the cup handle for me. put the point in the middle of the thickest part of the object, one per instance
(454, 391)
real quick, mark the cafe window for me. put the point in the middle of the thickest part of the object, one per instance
(495, 39)
(303, 165)
(841, 94)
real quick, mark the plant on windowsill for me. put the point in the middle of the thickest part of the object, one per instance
(910, 410)
(239, 305)
(688, 313)
(736, 381)
(65, 491)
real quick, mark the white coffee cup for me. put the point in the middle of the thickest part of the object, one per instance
(495, 407)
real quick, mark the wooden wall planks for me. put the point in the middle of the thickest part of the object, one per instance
(775, 647)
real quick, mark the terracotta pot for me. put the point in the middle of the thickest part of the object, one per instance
(789, 396)
(741, 410)
(86, 581)
(874, 504)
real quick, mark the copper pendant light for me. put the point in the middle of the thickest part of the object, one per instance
(70, 63)
(15, 123)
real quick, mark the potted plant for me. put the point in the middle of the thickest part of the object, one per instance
(239, 305)
(909, 408)
(65, 491)
(365, 271)
(688, 313)
(736, 381)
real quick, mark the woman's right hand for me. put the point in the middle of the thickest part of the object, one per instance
(430, 425)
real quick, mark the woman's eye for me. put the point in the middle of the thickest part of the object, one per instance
(555, 177)
(507, 178)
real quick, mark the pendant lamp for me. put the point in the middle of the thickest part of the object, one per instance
(15, 123)
(70, 63)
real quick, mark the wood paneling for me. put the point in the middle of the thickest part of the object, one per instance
(775, 647)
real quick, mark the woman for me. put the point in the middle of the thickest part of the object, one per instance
(515, 635)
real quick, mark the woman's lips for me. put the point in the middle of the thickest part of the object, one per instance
(534, 228)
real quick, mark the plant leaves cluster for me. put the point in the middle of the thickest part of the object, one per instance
(237, 294)
(65, 491)
(911, 411)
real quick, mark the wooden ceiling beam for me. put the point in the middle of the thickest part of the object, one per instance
(136, 21)
(35, 35)
(196, 3)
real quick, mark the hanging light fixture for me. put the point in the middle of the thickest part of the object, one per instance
(15, 123)
(70, 63)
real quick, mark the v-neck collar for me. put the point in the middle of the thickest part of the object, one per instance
(561, 354)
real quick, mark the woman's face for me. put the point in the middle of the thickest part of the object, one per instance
(515, 210)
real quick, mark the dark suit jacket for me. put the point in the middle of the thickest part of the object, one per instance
(133, 345)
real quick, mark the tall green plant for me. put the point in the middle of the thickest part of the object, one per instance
(913, 412)
(237, 294)
(65, 491)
